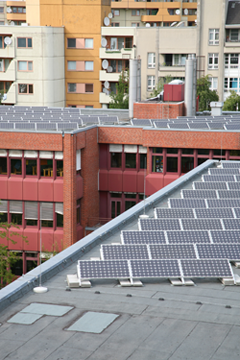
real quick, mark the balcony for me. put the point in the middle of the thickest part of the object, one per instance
(117, 54)
(9, 51)
(103, 98)
(105, 76)
(10, 74)
(11, 95)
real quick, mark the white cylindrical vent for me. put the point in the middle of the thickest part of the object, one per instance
(190, 86)
(133, 67)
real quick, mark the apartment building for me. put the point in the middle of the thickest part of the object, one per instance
(15, 12)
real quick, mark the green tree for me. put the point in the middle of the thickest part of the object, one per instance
(205, 94)
(120, 99)
(7, 258)
(160, 85)
(232, 103)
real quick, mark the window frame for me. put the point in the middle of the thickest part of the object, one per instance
(27, 43)
(28, 62)
(151, 60)
(28, 88)
(214, 33)
(152, 79)
(214, 57)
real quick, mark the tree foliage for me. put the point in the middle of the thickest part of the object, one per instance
(120, 99)
(7, 258)
(232, 103)
(160, 85)
(205, 94)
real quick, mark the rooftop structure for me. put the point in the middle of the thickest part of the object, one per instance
(151, 321)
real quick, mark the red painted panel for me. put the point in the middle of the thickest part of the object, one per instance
(32, 235)
(45, 190)
(168, 92)
(30, 189)
(47, 239)
(79, 186)
(103, 156)
(58, 190)
(140, 181)
(3, 187)
(178, 92)
(103, 180)
(80, 232)
(154, 182)
(15, 188)
(115, 179)
(17, 238)
(58, 240)
(168, 178)
(130, 181)
(103, 201)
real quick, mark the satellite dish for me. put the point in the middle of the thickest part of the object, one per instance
(104, 90)
(105, 64)
(12, 23)
(104, 42)
(106, 21)
(185, 11)
(7, 40)
(107, 92)
(106, 84)
(147, 25)
(110, 15)
(177, 12)
(109, 69)
(9, 10)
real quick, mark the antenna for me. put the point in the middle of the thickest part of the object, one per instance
(104, 64)
(7, 40)
(104, 42)
(106, 21)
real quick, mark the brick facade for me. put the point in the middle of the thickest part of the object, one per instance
(155, 110)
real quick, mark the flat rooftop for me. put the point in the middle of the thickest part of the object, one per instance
(107, 321)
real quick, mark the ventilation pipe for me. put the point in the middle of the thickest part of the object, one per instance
(190, 85)
(134, 83)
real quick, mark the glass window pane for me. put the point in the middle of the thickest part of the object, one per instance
(59, 167)
(72, 65)
(129, 204)
(71, 43)
(234, 152)
(116, 160)
(131, 196)
(89, 43)
(22, 88)
(16, 166)
(30, 89)
(16, 219)
(157, 164)
(30, 65)
(46, 167)
(172, 151)
(31, 167)
(118, 208)
(89, 88)
(130, 161)
(187, 164)
(22, 65)
(22, 42)
(120, 43)
(157, 150)
(143, 161)
(113, 209)
(172, 164)
(218, 152)
(89, 65)
(30, 222)
(1, 42)
(59, 220)
(203, 152)
(3, 166)
(187, 151)
(72, 87)
(29, 42)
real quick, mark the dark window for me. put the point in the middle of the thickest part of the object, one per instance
(202, 160)
(47, 223)
(187, 151)
(17, 266)
(116, 160)
(59, 167)
(157, 150)
(129, 204)
(71, 43)
(31, 222)
(203, 152)
(143, 161)
(157, 164)
(172, 151)
(128, 43)
(3, 217)
(116, 195)
(234, 152)
(31, 167)
(89, 88)
(46, 167)
(16, 166)
(172, 164)
(187, 164)
(3, 166)
(130, 196)
(219, 152)
(59, 220)
(130, 161)
(16, 219)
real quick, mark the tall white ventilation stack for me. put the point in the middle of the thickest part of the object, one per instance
(134, 83)
(190, 85)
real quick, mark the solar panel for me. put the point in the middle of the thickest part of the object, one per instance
(199, 125)
(223, 203)
(159, 224)
(90, 119)
(143, 237)
(214, 171)
(214, 268)
(232, 126)
(127, 252)
(212, 213)
(25, 126)
(231, 224)
(67, 126)
(173, 213)
(218, 178)
(199, 185)
(181, 237)
(219, 251)
(141, 122)
(183, 251)
(234, 185)
(231, 165)
(46, 126)
(108, 269)
(201, 224)
(199, 194)
(187, 203)
(178, 126)
(155, 268)
(237, 177)
(227, 236)
(228, 194)
(6, 125)
(108, 119)
(160, 125)
(216, 126)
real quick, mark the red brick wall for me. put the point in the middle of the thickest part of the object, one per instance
(119, 135)
(30, 141)
(158, 110)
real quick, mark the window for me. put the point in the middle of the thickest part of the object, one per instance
(25, 65)
(2, 23)
(80, 88)
(213, 37)
(151, 60)
(24, 42)
(2, 43)
(135, 12)
(1, 9)
(116, 160)
(89, 88)
(31, 213)
(71, 43)
(234, 34)
(214, 83)
(231, 61)
(59, 214)
(213, 61)
(88, 65)
(79, 43)
(150, 82)
(46, 214)
(72, 87)
(15, 209)
(25, 88)
(3, 166)
(88, 43)
(78, 207)
(179, 59)
(115, 24)
(116, 12)
(152, 11)
(46, 167)
(31, 167)
(16, 166)
(5, 85)
(130, 161)
(135, 24)
(80, 65)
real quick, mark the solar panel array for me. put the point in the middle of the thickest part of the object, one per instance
(49, 119)
(196, 236)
